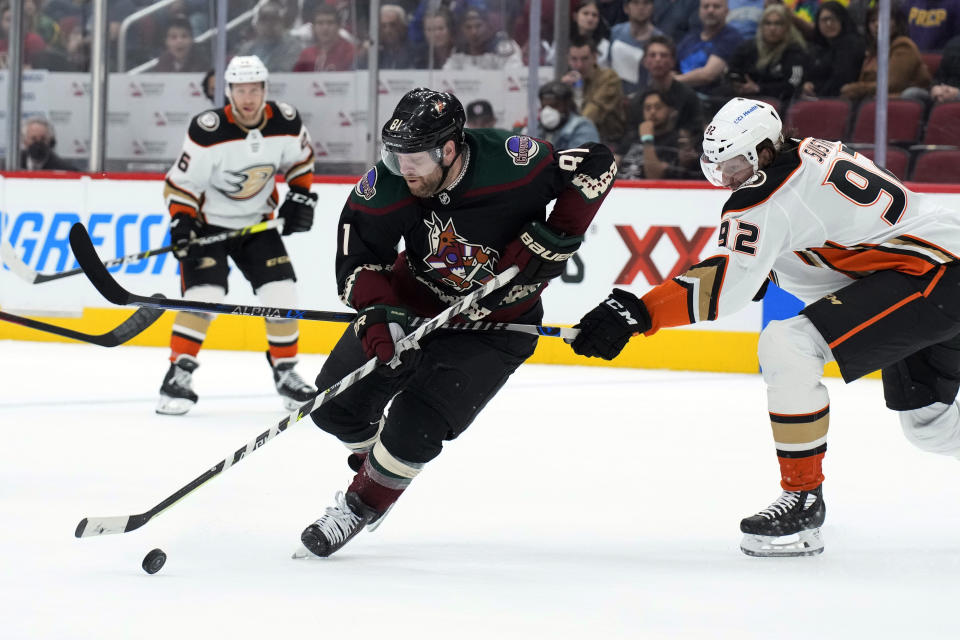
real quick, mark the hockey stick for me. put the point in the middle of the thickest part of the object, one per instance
(20, 268)
(128, 329)
(89, 527)
(113, 291)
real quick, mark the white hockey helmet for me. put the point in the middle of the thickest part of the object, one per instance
(242, 69)
(730, 141)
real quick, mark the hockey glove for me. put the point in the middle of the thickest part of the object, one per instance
(379, 328)
(297, 211)
(184, 228)
(540, 252)
(607, 328)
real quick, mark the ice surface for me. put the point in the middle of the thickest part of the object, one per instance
(583, 503)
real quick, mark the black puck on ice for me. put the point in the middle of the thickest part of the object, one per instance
(153, 561)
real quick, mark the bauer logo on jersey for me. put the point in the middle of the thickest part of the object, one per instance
(246, 183)
(457, 262)
(365, 187)
(522, 149)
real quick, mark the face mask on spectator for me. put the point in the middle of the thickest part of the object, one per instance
(38, 151)
(550, 118)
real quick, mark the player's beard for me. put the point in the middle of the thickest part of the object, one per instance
(426, 185)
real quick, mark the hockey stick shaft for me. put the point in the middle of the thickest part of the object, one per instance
(34, 277)
(113, 291)
(127, 330)
(89, 527)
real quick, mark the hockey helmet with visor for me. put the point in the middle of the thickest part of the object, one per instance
(421, 124)
(730, 141)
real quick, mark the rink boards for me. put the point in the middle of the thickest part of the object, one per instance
(645, 233)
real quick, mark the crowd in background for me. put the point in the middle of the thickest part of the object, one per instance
(641, 75)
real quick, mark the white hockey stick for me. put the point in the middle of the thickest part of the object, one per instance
(89, 527)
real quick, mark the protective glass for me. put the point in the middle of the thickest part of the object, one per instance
(727, 173)
(413, 165)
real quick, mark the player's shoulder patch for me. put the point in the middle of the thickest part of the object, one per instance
(211, 127)
(284, 120)
(764, 184)
(208, 121)
(286, 110)
(367, 185)
(521, 149)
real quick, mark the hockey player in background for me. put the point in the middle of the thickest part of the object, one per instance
(224, 178)
(877, 266)
(467, 205)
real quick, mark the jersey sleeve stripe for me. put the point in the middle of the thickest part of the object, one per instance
(172, 190)
(862, 260)
(300, 169)
(303, 181)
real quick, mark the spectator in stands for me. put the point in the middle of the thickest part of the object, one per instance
(931, 23)
(209, 86)
(395, 52)
(677, 18)
(32, 43)
(663, 151)
(330, 52)
(660, 61)
(277, 49)
(438, 32)
(802, 13)
(771, 64)
(597, 91)
(36, 21)
(415, 28)
(627, 41)
(480, 115)
(744, 16)
(483, 47)
(588, 23)
(180, 53)
(702, 57)
(560, 124)
(836, 53)
(37, 141)
(611, 11)
(946, 81)
(907, 68)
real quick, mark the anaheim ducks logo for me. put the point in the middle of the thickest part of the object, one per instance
(246, 183)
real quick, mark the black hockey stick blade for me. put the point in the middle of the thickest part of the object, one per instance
(127, 330)
(89, 261)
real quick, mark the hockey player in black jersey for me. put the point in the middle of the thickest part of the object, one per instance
(223, 179)
(467, 205)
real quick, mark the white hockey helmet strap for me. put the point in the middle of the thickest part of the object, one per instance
(243, 69)
(738, 127)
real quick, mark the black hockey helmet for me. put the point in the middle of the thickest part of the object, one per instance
(424, 120)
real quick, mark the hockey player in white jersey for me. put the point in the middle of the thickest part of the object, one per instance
(877, 266)
(224, 178)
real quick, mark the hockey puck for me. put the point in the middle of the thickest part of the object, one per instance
(153, 561)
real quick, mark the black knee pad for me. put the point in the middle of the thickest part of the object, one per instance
(415, 430)
(344, 423)
(929, 375)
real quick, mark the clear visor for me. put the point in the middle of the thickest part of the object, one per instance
(727, 173)
(412, 165)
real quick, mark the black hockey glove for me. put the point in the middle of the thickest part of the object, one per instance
(607, 328)
(297, 211)
(183, 229)
(379, 328)
(540, 252)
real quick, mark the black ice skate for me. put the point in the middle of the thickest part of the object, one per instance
(290, 385)
(337, 526)
(176, 392)
(788, 527)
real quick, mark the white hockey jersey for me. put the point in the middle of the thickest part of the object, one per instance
(225, 173)
(820, 216)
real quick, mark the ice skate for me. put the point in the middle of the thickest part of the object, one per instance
(788, 527)
(338, 525)
(291, 387)
(176, 393)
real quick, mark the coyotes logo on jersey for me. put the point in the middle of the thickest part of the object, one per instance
(458, 262)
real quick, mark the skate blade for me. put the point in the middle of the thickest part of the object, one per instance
(168, 406)
(805, 543)
(304, 554)
(376, 523)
